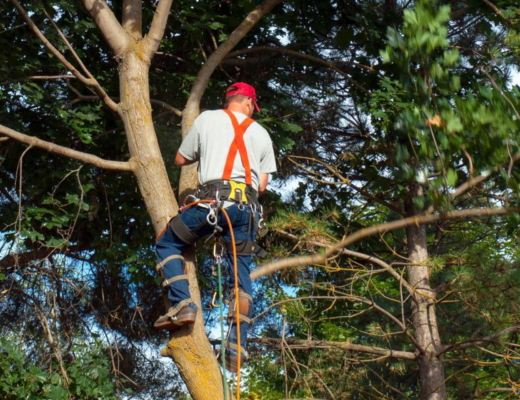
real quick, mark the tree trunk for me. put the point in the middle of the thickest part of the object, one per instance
(189, 347)
(424, 318)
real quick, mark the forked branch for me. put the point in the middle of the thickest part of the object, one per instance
(106, 21)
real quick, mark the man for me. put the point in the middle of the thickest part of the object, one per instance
(235, 156)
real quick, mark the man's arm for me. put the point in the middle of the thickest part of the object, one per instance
(264, 179)
(182, 161)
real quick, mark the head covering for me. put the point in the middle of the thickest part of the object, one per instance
(245, 90)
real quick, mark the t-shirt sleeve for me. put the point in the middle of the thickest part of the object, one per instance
(268, 161)
(190, 148)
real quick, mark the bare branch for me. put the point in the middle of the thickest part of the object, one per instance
(112, 31)
(282, 50)
(356, 254)
(479, 342)
(88, 82)
(343, 181)
(159, 103)
(192, 106)
(498, 12)
(39, 77)
(321, 344)
(132, 17)
(20, 259)
(65, 151)
(274, 266)
(156, 33)
(67, 43)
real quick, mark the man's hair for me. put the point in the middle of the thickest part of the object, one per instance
(235, 98)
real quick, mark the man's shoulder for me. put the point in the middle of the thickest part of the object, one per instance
(259, 130)
(210, 114)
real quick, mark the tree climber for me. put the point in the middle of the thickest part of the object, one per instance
(235, 156)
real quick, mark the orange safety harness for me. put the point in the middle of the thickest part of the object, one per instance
(238, 145)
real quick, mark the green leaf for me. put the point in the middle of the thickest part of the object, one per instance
(451, 177)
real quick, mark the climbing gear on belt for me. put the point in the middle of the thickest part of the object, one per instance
(223, 190)
(178, 316)
(238, 145)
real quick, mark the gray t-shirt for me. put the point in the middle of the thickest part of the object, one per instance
(210, 138)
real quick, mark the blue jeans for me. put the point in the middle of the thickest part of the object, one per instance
(195, 219)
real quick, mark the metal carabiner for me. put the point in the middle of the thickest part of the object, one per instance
(213, 300)
(212, 217)
(262, 227)
(216, 254)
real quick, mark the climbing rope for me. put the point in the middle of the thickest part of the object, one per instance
(218, 261)
(237, 321)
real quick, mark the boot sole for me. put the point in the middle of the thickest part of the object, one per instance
(187, 319)
(170, 326)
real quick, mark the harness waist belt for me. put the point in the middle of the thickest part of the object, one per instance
(228, 190)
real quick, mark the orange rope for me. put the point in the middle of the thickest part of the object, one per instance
(236, 301)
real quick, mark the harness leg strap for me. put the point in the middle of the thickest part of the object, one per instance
(160, 266)
(182, 231)
(245, 301)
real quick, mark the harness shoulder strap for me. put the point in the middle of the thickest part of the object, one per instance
(239, 145)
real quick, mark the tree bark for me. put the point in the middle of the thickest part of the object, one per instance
(189, 347)
(424, 318)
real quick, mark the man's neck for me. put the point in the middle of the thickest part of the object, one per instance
(238, 108)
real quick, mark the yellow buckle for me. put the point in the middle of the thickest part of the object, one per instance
(240, 187)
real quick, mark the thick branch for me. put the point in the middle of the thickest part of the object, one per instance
(112, 31)
(20, 259)
(296, 344)
(132, 17)
(65, 151)
(192, 106)
(156, 33)
(88, 82)
(272, 267)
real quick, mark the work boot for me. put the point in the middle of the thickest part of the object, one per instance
(176, 318)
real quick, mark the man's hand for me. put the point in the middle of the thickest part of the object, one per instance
(181, 161)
